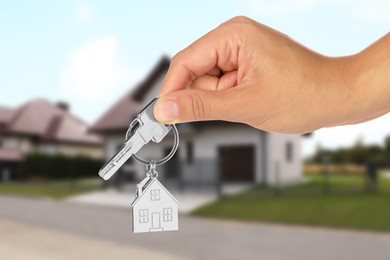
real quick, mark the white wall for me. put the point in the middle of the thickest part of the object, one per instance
(21, 143)
(11, 143)
(278, 168)
(49, 149)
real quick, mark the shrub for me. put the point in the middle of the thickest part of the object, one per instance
(59, 167)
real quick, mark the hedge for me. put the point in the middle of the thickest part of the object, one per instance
(59, 167)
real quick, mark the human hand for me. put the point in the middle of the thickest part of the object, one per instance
(246, 72)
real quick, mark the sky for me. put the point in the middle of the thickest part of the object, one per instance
(89, 53)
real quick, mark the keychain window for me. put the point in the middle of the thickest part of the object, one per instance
(143, 216)
(155, 194)
(167, 217)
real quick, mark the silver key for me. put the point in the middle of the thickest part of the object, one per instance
(143, 129)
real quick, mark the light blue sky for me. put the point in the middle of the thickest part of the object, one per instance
(89, 53)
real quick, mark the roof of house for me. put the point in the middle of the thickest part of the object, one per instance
(10, 155)
(118, 117)
(5, 114)
(150, 184)
(48, 122)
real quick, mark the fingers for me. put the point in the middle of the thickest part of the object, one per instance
(192, 62)
(199, 105)
(215, 72)
(207, 82)
(215, 52)
(228, 80)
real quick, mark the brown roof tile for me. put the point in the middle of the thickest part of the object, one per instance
(47, 121)
(118, 117)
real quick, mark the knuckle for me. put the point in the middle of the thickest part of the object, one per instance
(200, 108)
(179, 61)
(240, 19)
(239, 25)
(190, 73)
(176, 58)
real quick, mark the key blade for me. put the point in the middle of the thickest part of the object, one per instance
(130, 147)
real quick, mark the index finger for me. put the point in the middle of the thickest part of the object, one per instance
(194, 61)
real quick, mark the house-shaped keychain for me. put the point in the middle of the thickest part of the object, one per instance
(154, 208)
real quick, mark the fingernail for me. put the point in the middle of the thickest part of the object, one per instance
(167, 111)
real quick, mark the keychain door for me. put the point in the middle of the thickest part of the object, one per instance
(156, 222)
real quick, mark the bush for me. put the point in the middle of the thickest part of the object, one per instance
(59, 167)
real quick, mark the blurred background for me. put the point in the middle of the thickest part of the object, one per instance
(75, 73)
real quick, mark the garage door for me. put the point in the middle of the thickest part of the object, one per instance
(237, 163)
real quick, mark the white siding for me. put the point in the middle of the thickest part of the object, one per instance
(49, 149)
(279, 169)
(11, 142)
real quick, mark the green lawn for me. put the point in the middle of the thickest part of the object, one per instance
(52, 189)
(345, 206)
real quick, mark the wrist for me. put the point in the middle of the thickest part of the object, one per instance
(372, 82)
(337, 97)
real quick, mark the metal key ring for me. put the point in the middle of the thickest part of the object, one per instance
(166, 158)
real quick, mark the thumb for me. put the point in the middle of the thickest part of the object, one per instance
(194, 105)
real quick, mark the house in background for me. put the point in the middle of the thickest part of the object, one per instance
(40, 126)
(209, 152)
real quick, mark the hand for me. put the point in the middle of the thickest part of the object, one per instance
(244, 71)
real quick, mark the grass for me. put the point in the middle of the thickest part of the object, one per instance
(307, 204)
(53, 189)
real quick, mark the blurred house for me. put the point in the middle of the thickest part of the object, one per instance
(209, 152)
(40, 126)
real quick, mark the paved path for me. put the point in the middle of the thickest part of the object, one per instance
(26, 242)
(200, 238)
(188, 200)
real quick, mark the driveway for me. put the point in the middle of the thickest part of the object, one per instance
(198, 238)
(188, 200)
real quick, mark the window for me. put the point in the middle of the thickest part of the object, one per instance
(155, 194)
(289, 152)
(50, 149)
(167, 214)
(190, 152)
(143, 216)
